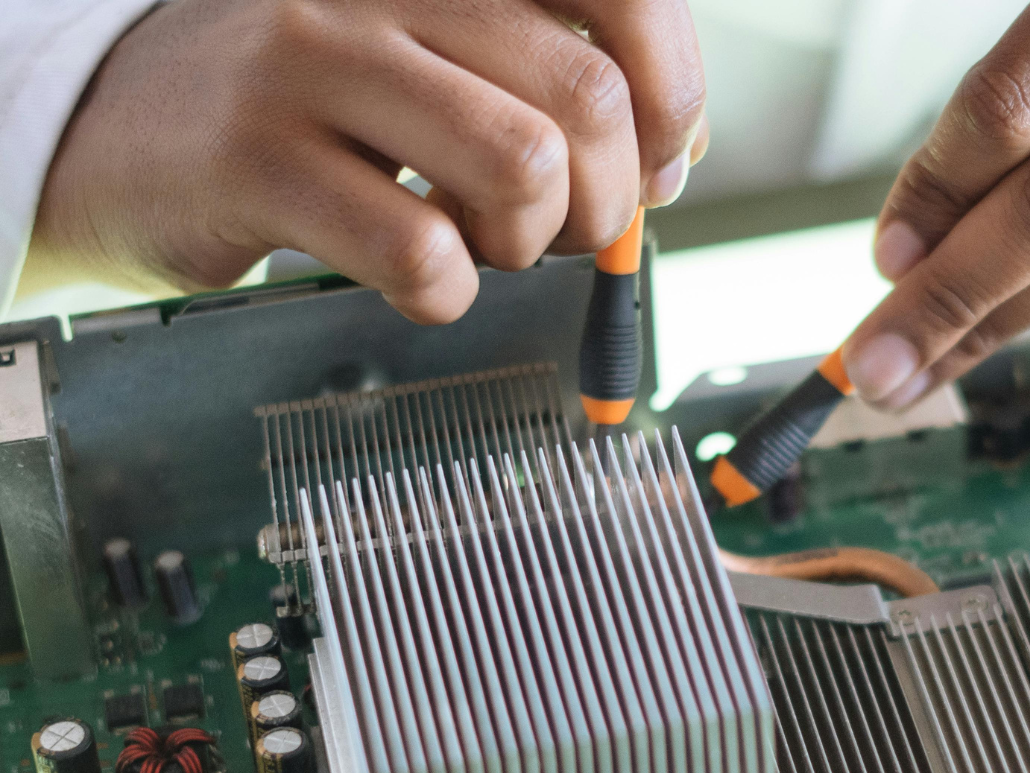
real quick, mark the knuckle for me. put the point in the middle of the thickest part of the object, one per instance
(995, 96)
(672, 119)
(1021, 212)
(598, 92)
(980, 342)
(421, 254)
(293, 23)
(951, 303)
(535, 156)
(922, 190)
(599, 229)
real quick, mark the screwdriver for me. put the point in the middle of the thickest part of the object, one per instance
(775, 440)
(610, 354)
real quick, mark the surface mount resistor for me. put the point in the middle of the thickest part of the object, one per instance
(251, 640)
(124, 575)
(65, 746)
(283, 750)
(278, 708)
(175, 582)
(259, 676)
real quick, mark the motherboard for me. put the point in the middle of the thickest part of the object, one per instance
(313, 571)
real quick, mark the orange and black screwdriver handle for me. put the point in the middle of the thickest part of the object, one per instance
(610, 354)
(776, 439)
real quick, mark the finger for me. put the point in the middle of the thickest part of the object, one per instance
(344, 211)
(505, 161)
(654, 44)
(700, 145)
(1008, 320)
(983, 133)
(983, 262)
(528, 53)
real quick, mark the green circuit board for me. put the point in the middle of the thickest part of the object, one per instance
(953, 534)
(145, 653)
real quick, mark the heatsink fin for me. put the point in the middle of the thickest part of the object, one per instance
(531, 612)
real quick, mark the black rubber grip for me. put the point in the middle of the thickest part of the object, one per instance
(775, 440)
(610, 356)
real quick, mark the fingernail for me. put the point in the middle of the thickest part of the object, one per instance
(897, 249)
(667, 185)
(881, 365)
(907, 394)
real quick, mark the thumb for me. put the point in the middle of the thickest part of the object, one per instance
(941, 302)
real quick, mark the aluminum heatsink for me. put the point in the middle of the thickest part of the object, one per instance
(524, 614)
(934, 683)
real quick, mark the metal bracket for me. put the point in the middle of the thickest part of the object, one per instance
(854, 604)
(934, 610)
(34, 522)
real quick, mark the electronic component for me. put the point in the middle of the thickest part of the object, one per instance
(65, 746)
(786, 497)
(175, 582)
(125, 579)
(121, 711)
(278, 708)
(576, 669)
(283, 750)
(187, 748)
(861, 683)
(253, 639)
(290, 620)
(183, 701)
(260, 675)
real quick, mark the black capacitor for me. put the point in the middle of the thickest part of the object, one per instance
(278, 708)
(283, 750)
(786, 498)
(258, 676)
(290, 622)
(251, 640)
(175, 582)
(65, 746)
(124, 576)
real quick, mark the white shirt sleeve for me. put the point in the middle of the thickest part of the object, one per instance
(49, 49)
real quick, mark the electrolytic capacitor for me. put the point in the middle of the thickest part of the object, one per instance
(283, 750)
(259, 676)
(251, 640)
(123, 574)
(278, 708)
(175, 582)
(65, 746)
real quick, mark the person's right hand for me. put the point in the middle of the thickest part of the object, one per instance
(217, 131)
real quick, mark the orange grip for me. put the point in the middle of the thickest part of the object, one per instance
(734, 487)
(606, 411)
(623, 255)
(832, 369)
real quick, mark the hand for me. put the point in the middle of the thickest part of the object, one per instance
(954, 235)
(217, 131)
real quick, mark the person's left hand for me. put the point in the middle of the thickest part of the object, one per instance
(954, 235)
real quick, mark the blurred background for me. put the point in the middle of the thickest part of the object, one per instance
(813, 105)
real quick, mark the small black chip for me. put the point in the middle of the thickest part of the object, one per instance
(184, 700)
(122, 711)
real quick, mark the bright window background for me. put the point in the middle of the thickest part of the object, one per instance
(760, 300)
